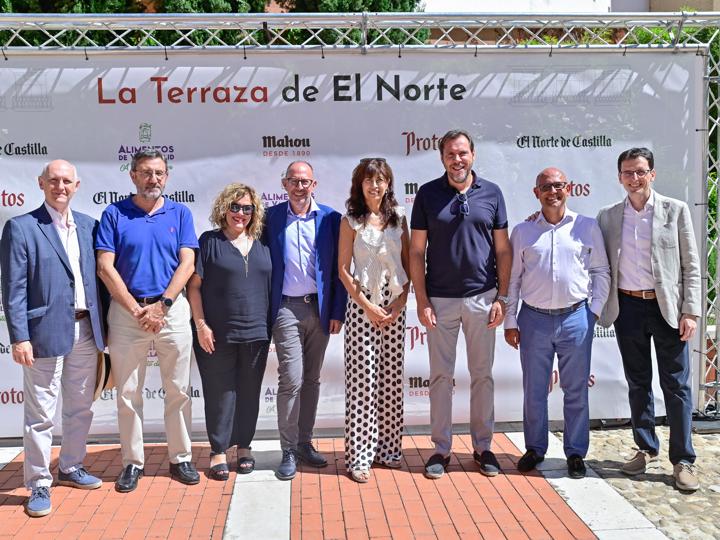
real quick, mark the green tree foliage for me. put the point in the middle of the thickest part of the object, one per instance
(348, 6)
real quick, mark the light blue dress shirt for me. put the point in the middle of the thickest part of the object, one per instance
(299, 277)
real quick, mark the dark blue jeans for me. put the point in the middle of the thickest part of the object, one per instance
(638, 322)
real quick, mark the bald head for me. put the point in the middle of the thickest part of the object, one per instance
(59, 182)
(551, 174)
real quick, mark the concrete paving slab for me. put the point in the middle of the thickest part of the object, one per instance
(8, 453)
(260, 505)
(602, 508)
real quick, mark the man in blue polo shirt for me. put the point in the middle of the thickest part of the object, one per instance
(460, 259)
(145, 256)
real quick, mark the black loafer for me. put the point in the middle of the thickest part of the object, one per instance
(436, 465)
(184, 472)
(576, 467)
(307, 454)
(529, 461)
(489, 465)
(128, 479)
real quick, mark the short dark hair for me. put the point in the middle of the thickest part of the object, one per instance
(147, 154)
(634, 153)
(454, 134)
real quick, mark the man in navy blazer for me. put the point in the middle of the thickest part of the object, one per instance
(307, 305)
(54, 318)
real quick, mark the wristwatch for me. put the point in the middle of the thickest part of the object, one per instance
(167, 302)
(503, 299)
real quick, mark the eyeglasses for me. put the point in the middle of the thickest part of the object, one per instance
(375, 181)
(150, 173)
(246, 209)
(303, 182)
(640, 173)
(557, 186)
(464, 206)
(368, 159)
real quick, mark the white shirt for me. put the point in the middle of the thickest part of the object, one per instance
(67, 231)
(299, 277)
(634, 266)
(377, 257)
(556, 266)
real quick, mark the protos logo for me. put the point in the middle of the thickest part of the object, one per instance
(579, 190)
(415, 143)
(11, 397)
(11, 199)
(4, 349)
(27, 149)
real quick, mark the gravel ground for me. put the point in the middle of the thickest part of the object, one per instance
(687, 516)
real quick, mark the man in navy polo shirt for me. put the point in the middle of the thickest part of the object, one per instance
(460, 259)
(145, 256)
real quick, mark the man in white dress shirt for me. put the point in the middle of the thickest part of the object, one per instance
(561, 273)
(655, 293)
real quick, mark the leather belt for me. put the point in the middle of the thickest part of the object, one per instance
(648, 294)
(305, 299)
(79, 315)
(147, 300)
(558, 311)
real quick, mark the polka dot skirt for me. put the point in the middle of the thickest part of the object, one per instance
(373, 388)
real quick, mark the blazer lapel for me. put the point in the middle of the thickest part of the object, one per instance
(48, 229)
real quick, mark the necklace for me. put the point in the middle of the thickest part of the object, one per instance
(244, 254)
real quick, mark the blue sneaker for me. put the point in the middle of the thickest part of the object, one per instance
(38, 504)
(79, 478)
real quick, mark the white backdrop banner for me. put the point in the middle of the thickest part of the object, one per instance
(221, 118)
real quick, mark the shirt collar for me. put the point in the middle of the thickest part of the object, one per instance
(649, 205)
(567, 218)
(477, 182)
(313, 208)
(57, 217)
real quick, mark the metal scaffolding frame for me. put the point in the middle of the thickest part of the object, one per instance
(153, 33)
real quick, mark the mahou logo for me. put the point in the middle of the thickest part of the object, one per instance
(274, 146)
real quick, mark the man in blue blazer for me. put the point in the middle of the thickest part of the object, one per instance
(54, 318)
(307, 305)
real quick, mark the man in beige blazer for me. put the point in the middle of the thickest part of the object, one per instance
(655, 293)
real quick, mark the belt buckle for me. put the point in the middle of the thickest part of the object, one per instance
(307, 298)
(649, 292)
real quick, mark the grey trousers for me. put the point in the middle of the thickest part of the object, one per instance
(472, 315)
(300, 344)
(74, 375)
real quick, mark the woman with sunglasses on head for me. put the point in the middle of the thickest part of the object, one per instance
(230, 298)
(374, 240)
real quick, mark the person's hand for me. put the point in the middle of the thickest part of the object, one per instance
(512, 337)
(497, 314)
(394, 309)
(151, 318)
(533, 216)
(206, 338)
(378, 316)
(687, 327)
(335, 326)
(22, 353)
(426, 315)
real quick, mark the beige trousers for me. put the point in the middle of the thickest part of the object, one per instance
(128, 344)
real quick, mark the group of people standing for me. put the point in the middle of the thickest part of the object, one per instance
(297, 271)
